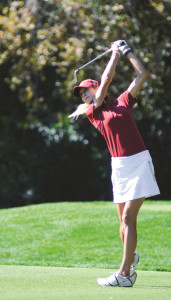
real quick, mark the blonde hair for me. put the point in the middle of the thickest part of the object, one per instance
(81, 109)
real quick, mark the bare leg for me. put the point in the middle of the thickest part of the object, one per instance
(129, 220)
(120, 208)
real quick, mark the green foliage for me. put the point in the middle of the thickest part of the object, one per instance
(42, 42)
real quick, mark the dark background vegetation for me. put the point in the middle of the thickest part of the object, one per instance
(44, 156)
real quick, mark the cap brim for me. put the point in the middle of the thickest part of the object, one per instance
(76, 91)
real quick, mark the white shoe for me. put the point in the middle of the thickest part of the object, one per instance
(133, 277)
(136, 260)
(117, 280)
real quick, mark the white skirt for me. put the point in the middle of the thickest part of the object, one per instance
(133, 177)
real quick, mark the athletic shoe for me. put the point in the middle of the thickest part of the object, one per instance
(132, 272)
(136, 260)
(117, 280)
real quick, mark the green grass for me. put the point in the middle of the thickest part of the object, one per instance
(57, 251)
(82, 235)
(48, 283)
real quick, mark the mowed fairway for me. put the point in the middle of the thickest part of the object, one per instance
(46, 283)
(57, 251)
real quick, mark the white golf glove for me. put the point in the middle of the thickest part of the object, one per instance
(115, 48)
(123, 47)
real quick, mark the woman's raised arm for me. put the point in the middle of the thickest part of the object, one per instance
(141, 72)
(107, 77)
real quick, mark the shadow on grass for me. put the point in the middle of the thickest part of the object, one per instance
(152, 287)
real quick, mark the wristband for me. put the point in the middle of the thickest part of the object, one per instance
(127, 51)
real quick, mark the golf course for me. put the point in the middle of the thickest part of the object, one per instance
(58, 250)
(85, 120)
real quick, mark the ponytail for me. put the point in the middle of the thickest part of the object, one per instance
(81, 109)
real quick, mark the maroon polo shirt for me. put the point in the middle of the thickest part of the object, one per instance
(116, 124)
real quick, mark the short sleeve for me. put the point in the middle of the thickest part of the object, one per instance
(126, 99)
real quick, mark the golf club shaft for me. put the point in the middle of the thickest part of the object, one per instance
(91, 61)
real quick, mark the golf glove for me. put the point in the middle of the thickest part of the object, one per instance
(123, 47)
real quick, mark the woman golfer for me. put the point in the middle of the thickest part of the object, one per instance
(133, 176)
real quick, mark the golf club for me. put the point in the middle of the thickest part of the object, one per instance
(91, 61)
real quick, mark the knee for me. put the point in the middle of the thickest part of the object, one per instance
(128, 219)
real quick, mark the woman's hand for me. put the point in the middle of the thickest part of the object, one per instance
(115, 48)
(123, 47)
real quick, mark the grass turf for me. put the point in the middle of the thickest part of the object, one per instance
(82, 235)
(48, 283)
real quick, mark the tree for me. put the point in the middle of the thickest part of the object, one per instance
(41, 45)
